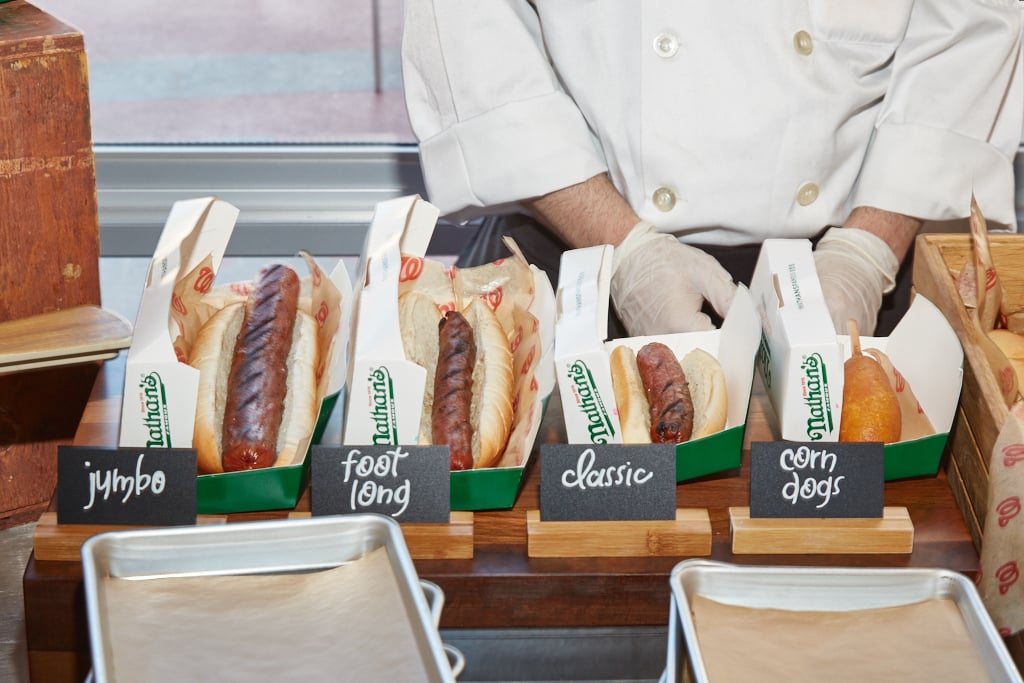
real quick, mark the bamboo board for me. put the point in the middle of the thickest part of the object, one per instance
(689, 534)
(893, 533)
(72, 335)
(63, 542)
(451, 541)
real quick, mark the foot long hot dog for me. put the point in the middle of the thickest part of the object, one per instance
(257, 386)
(468, 401)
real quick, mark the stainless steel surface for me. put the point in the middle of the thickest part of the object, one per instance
(832, 589)
(270, 547)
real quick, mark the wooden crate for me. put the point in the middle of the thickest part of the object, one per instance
(49, 239)
(982, 412)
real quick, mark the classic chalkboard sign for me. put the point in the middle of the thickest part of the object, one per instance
(791, 479)
(408, 483)
(594, 482)
(132, 486)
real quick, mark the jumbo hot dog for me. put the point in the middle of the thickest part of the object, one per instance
(467, 404)
(257, 385)
(661, 399)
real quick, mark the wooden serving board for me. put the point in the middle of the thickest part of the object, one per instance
(689, 534)
(891, 533)
(72, 335)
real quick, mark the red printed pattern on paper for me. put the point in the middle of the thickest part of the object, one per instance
(1007, 575)
(1013, 454)
(412, 267)
(321, 314)
(204, 280)
(1007, 509)
(178, 305)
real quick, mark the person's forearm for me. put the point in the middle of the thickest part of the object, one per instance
(589, 213)
(895, 229)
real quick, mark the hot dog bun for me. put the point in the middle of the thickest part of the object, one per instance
(634, 415)
(418, 317)
(490, 409)
(212, 355)
(704, 378)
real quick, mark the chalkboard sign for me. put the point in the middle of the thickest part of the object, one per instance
(133, 486)
(840, 480)
(583, 482)
(408, 483)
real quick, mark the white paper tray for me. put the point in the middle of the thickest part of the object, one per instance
(821, 589)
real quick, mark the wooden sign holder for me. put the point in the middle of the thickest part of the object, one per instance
(63, 542)
(689, 534)
(893, 533)
(451, 541)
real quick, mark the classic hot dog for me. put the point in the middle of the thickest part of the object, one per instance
(661, 399)
(257, 385)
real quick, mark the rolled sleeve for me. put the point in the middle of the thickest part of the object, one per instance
(517, 151)
(930, 173)
(950, 123)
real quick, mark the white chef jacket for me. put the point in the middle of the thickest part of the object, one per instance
(723, 122)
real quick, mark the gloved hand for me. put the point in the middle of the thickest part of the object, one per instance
(855, 269)
(659, 284)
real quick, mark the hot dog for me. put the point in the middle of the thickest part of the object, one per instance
(652, 403)
(467, 403)
(450, 415)
(257, 387)
(668, 396)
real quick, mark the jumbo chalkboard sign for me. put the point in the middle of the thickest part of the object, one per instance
(408, 483)
(840, 480)
(132, 486)
(600, 482)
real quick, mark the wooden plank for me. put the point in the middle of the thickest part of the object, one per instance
(49, 238)
(892, 533)
(963, 500)
(63, 542)
(59, 337)
(451, 541)
(689, 534)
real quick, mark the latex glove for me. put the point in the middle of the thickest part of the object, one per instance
(855, 269)
(659, 284)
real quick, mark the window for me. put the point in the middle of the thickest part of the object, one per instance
(293, 111)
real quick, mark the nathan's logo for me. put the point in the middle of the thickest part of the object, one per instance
(382, 406)
(816, 397)
(154, 408)
(588, 400)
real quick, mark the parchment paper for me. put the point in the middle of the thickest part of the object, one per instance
(925, 641)
(346, 623)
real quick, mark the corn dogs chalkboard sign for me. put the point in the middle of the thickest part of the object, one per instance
(830, 480)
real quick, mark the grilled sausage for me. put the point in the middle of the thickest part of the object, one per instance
(258, 377)
(453, 389)
(668, 395)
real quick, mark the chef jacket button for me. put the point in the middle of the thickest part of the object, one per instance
(802, 43)
(666, 45)
(664, 199)
(807, 193)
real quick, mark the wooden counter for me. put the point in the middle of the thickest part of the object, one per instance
(501, 587)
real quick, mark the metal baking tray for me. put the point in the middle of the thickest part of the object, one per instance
(821, 589)
(261, 548)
